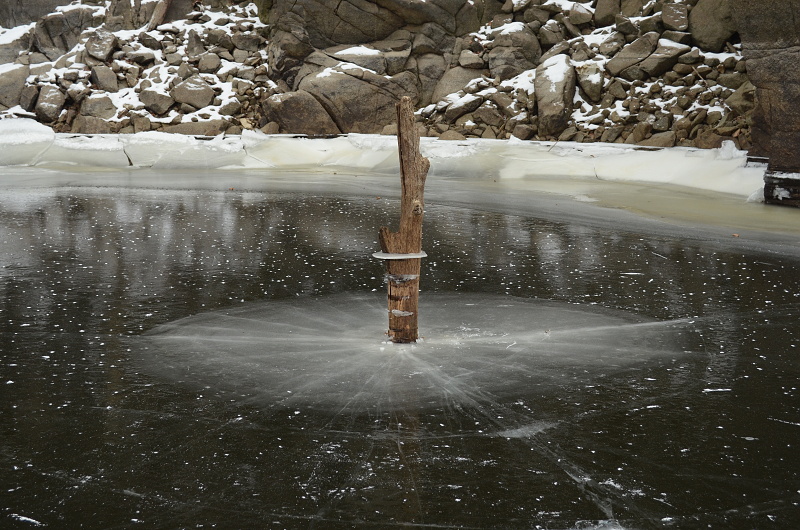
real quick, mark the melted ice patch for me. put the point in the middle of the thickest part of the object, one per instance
(331, 352)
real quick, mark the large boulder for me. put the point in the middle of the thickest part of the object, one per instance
(606, 11)
(104, 78)
(155, 101)
(515, 49)
(358, 100)
(298, 112)
(675, 17)
(664, 58)
(18, 12)
(634, 53)
(554, 87)
(193, 91)
(50, 103)
(101, 44)
(13, 43)
(57, 33)
(332, 22)
(711, 23)
(12, 79)
(454, 80)
(98, 106)
(771, 41)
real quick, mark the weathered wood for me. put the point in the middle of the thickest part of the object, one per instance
(402, 275)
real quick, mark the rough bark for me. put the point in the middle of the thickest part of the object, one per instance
(402, 275)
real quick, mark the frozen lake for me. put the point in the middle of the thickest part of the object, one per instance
(205, 348)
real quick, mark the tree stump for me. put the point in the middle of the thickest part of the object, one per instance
(402, 250)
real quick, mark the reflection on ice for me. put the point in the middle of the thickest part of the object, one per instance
(329, 352)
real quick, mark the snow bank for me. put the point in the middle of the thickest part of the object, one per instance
(28, 143)
(22, 141)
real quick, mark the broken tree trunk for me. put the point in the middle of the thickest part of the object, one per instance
(402, 250)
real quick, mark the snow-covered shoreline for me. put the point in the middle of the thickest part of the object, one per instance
(724, 170)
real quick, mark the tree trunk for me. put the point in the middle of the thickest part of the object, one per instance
(403, 249)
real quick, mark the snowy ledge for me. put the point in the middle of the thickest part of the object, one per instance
(25, 142)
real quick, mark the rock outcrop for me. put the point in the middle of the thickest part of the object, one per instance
(667, 72)
(18, 12)
(771, 30)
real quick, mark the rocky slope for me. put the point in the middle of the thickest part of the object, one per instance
(650, 72)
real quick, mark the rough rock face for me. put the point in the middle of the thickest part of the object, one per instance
(331, 22)
(300, 112)
(711, 23)
(12, 81)
(17, 12)
(554, 88)
(635, 71)
(57, 33)
(771, 35)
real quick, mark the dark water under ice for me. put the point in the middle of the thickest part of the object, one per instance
(573, 374)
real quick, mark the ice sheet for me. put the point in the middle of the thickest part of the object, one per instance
(723, 170)
(331, 353)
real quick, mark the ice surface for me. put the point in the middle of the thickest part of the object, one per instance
(331, 353)
(23, 141)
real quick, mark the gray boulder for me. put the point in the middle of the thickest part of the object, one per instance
(366, 57)
(771, 42)
(104, 78)
(461, 106)
(633, 53)
(98, 107)
(664, 58)
(454, 80)
(675, 17)
(515, 49)
(12, 79)
(332, 22)
(15, 13)
(50, 103)
(711, 24)
(57, 33)
(590, 79)
(579, 14)
(470, 59)
(632, 8)
(298, 112)
(156, 102)
(11, 48)
(554, 87)
(193, 91)
(209, 63)
(606, 11)
(90, 125)
(357, 100)
(250, 42)
(101, 44)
